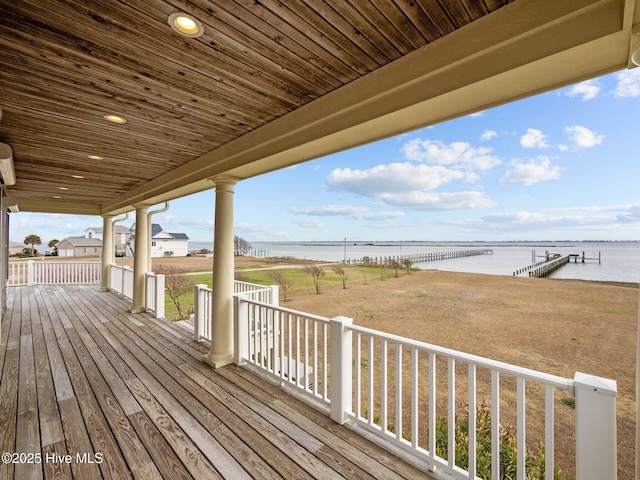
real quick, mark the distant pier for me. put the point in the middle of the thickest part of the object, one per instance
(552, 262)
(418, 257)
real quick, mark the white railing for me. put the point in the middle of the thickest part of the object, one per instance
(202, 303)
(290, 345)
(121, 280)
(202, 313)
(155, 294)
(256, 292)
(46, 272)
(402, 390)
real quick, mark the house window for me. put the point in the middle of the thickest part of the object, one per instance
(153, 244)
(84, 250)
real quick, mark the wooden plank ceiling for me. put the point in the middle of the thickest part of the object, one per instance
(67, 63)
(268, 84)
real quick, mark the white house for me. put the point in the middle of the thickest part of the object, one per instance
(163, 244)
(121, 237)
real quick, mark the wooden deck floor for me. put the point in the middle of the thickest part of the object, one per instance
(89, 391)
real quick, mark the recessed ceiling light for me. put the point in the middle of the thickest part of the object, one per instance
(77, 176)
(115, 119)
(95, 157)
(63, 188)
(186, 25)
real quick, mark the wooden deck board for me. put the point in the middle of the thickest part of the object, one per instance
(131, 396)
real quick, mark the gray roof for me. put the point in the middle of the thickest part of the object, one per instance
(118, 229)
(156, 229)
(179, 236)
(82, 241)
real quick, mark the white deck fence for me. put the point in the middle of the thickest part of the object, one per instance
(121, 282)
(202, 303)
(418, 396)
(66, 273)
(45, 272)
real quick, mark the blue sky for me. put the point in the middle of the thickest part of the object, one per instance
(559, 166)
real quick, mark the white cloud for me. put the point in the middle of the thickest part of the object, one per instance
(521, 221)
(536, 170)
(582, 137)
(438, 201)
(355, 212)
(628, 83)
(629, 214)
(173, 223)
(395, 177)
(459, 155)
(533, 139)
(309, 223)
(488, 135)
(588, 90)
(261, 233)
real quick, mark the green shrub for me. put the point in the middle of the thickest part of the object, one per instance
(535, 461)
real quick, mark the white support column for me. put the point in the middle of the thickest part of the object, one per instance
(140, 261)
(107, 251)
(221, 352)
(341, 381)
(596, 439)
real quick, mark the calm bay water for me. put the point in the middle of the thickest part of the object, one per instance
(620, 261)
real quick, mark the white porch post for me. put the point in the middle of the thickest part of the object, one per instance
(221, 352)
(596, 433)
(107, 251)
(341, 381)
(140, 261)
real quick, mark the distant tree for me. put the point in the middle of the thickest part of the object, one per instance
(176, 283)
(240, 246)
(32, 240)
(395, 265)
(316, 273)
(52, 245)
(283, 282)
(343, 275)
(407, 264)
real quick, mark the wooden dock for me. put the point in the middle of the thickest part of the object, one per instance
(552, 262)
(418, 257)
(548, 267)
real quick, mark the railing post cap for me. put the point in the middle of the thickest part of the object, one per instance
(604, 386)
(342, 320)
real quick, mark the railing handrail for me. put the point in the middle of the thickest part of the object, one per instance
(202, 305)
(31, 272)
(502, 367)
(277, 308)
